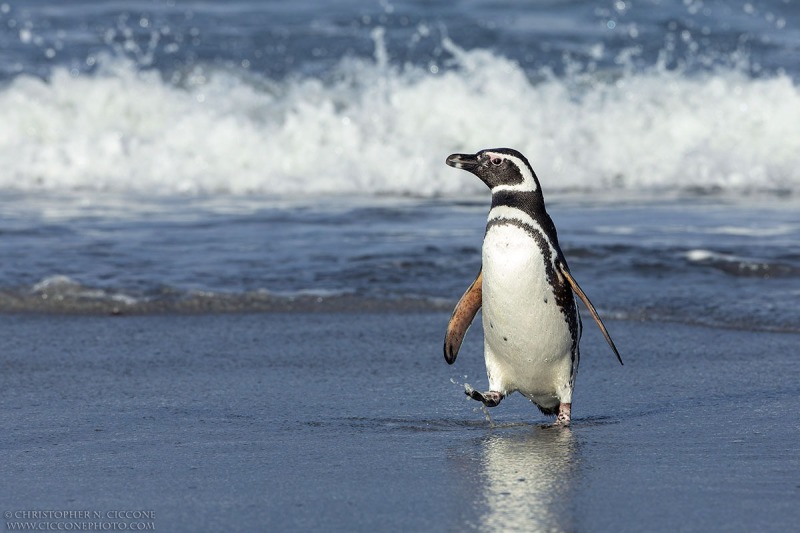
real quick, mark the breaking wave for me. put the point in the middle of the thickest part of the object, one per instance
(370, 127)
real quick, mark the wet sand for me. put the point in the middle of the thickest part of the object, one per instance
(333, 421)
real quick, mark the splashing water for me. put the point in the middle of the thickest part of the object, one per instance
(370, 127)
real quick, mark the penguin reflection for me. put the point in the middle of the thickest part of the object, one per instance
(528, 481)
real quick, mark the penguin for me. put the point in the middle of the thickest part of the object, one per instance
(531, 322)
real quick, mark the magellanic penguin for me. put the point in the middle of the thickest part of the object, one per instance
(531, 323)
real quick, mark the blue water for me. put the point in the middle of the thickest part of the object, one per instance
(171, 156)
(178, 158)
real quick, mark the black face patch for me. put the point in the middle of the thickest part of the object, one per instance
(494, 171)
(498, 167)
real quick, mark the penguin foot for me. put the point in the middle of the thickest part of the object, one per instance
(489, 399)
(564, 414)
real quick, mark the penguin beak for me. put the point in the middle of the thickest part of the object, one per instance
(463, 161)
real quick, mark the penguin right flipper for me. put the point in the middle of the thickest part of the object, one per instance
(465, 311)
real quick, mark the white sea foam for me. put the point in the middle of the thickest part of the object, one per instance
(374, 128)
(60, 288)
(744, 231)
(57, 282)
(741, 266)
(701, 255)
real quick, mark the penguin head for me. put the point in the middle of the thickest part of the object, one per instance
(501, 169)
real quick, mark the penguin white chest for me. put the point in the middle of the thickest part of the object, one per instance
(528, 343)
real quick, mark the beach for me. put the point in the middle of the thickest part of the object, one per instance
(230, 246)
(310, 421)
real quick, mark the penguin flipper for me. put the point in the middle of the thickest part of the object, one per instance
(590, 307)
(465, 311)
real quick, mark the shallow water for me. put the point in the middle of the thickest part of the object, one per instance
(351, 421)
(725, 262)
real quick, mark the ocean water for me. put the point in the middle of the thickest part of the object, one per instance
(255, 156)
(226, 170)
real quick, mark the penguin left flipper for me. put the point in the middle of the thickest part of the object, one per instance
(562, 267)
(462, 317)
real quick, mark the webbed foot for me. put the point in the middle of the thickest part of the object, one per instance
(489, 398)
(564, 414)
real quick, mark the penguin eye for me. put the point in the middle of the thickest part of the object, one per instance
(496, 161)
